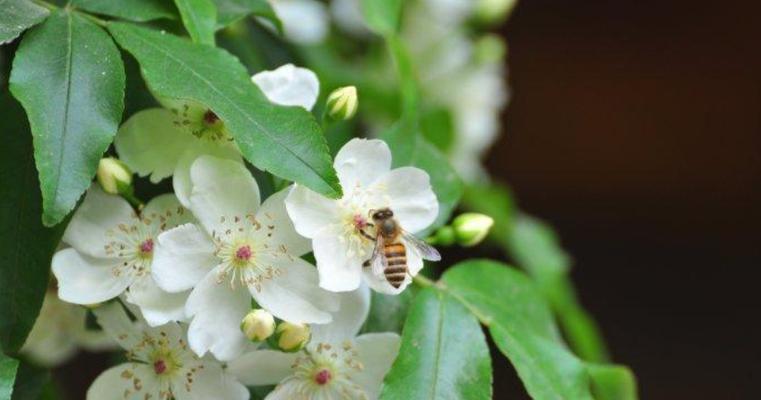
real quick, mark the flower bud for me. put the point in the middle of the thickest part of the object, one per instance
(444, 236)
(114, 176)
(493, 11)
(471, 228)
(258, 325)
(292, 337)
(342, 103)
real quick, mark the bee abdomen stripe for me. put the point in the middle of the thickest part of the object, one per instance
(397, 261)
(394, 247)
(396, 270)
(395, 254)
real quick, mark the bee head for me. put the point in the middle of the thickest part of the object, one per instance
(383, 213)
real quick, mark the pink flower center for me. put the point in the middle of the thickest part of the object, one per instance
(322, 377)
(360, 222)
(243, 253)
(159, 366)
(147, 246)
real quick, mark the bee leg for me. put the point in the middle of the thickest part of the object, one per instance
(366, 263)
(363, 233)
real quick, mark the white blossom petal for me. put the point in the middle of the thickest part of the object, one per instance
(288, 390)
(304, 21)
(273, 213)
(217, 311)
(289, 85)
(221, 189)
(411, 198)
(293, 293)
(263, 367)
(157, 306)
(377, 352)
(211, 382)
(150, 143)
(165, 211)
(182, 257)
(117, 325)
(360, 162)
(348, 320)
(98, 213)
(339, 269)
(87, 280)
(181, 179)
(128, 381)
(309, 211)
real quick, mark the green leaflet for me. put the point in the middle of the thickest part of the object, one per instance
(133, 10)
(18, 16)
(444, 354)
(612, 382)
(283, 140)
(382, 16)
(26, 245)
(31, 382)
(69, 77)
(230, 11)
(8, 368)
(522, 327)
(199, 18)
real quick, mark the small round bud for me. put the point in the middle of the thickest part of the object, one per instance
(292, 337)
(258, 325)
(490, 49)
(494, 11)
(342, 103)
(114, 176)
(471, 228)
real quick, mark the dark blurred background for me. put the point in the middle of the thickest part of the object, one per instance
(635, 129)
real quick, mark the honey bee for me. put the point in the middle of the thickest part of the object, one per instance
(392, 244)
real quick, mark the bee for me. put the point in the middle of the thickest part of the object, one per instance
(392, 244)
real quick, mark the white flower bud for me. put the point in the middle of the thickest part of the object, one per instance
(471, 228)
(258, 325)
(114, 176)
(342, 103)
(493, 11)
(292, 337)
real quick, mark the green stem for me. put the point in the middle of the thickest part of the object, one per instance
(422, 281)
(133, 200)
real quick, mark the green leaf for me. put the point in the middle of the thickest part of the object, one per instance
(69, 77)
(286, 141)
(8, 367)
(437, 127)
(535, 247)
(495, 201)
(18, 16)
(444, 354)
(388, 312)
(133, 10)
(522, 327)
(410, 148)
(199, 18)
(382, 16)
(230, 11)
(612, 382)
(30, 382)
(26, 245)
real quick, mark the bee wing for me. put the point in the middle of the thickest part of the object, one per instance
(378, 260)
(425, 250)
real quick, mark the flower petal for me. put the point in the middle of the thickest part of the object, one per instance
(338, 268)
(288, 390)
(128, 381)
(98, 214)
(181, 179)
(182, 257)
(407, 191)
(116, 323)
(87, 280)
(149, 142)
(157, 306)
(293, 294)
(304, 21)
(222, 189)
(362, 161)
(211, 382)
(289, 85)
(263, 367)
(217, 310)
(348, 320)
(377, 352)
(309, 211)
(273, 214)
(165, 212)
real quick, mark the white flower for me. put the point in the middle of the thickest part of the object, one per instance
(160, 366)
(335, 226)
(112, 251)
(289, 85)
(239, 251)
(336, 364)
(304, 21)
(165, 142)
(60, 330)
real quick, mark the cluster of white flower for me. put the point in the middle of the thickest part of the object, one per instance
(204, 270)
